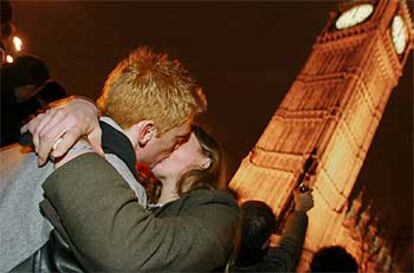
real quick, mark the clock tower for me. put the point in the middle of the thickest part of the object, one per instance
(321, 132)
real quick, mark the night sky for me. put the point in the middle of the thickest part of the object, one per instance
(244, 55)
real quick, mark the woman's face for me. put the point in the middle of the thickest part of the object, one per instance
(187, 157)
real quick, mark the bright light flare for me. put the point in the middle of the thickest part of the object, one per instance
(18, 44)
(9, 59)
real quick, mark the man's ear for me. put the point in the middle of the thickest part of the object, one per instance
(146, 132)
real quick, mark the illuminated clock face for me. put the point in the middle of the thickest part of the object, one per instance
(354, 16)
(399, 34)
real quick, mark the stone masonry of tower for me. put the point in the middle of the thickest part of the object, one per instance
(324, 126)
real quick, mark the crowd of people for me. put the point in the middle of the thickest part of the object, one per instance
(130, 183)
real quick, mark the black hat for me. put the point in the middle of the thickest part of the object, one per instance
(26, 70)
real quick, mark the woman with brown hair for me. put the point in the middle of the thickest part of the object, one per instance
(198, 164)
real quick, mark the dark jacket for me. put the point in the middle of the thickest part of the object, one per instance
(284, 257)
(109, 231)
(54, 256)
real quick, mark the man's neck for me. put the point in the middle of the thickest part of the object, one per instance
(128, 132)
(131, 135)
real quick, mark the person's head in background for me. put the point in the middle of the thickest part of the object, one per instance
(197, 163)
(25, 75)
(28, 76)
(333, 259)
(26, 89)
(258, 223)
(154, 99)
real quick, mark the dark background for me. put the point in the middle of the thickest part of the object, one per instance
(244, 55)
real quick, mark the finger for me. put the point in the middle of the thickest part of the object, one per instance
(95, 139)
(50, 134)
(44, 119)
(32, 124)
(29, 128)
(68, 140)
(43, 138)
(25, 127)
(33, 127)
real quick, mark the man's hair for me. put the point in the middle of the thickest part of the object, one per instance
(258, 224)
(150, 86)
(333, 259)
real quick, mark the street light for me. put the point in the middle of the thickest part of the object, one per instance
(9, 58)
(18, 44)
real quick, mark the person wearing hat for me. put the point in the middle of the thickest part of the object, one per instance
(26, 88)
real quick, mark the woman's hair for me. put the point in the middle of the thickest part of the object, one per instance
(213, 177)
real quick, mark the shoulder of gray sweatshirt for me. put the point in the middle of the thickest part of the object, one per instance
(23, 229)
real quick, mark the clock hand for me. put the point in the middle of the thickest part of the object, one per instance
(400, 30)
(355, 13)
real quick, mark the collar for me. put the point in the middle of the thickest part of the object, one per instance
(115, 141)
